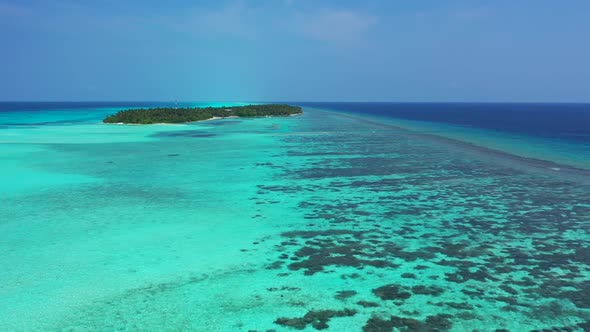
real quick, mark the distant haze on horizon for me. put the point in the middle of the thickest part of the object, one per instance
(374, 50)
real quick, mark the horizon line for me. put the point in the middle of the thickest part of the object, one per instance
(296, 101)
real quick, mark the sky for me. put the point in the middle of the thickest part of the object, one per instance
(295, 50)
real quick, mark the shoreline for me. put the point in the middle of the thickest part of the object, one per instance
(210, 119)
(171, 124)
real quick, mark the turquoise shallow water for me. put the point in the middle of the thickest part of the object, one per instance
(317, 222)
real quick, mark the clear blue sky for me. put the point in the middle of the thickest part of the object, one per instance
(295, 50)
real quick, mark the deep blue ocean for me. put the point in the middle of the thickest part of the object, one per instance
(563, 121)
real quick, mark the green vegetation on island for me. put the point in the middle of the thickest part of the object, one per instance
(181, 115)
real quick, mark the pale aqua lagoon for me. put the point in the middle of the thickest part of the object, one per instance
(325, 221)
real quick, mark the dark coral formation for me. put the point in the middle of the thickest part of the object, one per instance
(392, 292)
(427, 290)
(333, 248)
(343, 295)
(368, 304)
(439, 322)
(317, 319)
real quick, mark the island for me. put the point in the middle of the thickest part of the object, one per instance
(183, 115)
